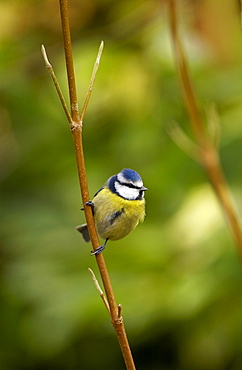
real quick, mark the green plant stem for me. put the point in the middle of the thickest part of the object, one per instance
(209, 153)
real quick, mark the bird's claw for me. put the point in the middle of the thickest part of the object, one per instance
(90, 204)
(98, 250)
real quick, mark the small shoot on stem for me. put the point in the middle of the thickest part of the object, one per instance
(56, 83)
(99, 289)
(120, 308)
(93, 77)
(58, 89)
(183, 141)
(213, 127)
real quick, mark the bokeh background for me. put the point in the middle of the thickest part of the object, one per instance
(178, 275)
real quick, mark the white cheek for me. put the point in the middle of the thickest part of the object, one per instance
(126, 192)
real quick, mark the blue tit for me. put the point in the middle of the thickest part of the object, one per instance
(118, 207)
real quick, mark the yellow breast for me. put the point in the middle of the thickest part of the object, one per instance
(116, 217)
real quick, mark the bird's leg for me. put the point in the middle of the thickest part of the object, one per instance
(99, 249)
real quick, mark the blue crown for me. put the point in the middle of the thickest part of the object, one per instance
(131, 175)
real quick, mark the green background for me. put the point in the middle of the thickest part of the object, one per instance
(178, 275)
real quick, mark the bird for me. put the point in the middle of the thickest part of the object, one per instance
(118, 207)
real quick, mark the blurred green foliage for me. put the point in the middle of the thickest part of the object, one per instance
(177, 275)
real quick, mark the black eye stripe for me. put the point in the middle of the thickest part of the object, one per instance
(129, 185)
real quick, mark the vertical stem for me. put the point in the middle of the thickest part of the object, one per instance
(69, 59)
(189, 94)
(209, 154)
(214, 169)
(76, 128)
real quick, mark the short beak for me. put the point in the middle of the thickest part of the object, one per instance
(144, 188)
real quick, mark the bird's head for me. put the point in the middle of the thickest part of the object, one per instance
(127, 184)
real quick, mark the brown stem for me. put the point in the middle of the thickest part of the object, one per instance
(76, 129)
(190, 98)
(212, 164)
(69, 59)
(209, 154)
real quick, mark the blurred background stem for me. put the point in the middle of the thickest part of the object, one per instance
(209, 153)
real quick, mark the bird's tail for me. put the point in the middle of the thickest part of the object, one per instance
(84, 230)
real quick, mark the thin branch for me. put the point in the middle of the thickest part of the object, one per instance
(69, 60)
(209, 154)
(76, 129)
(56, 83)
(99, 290)
(190, 97)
